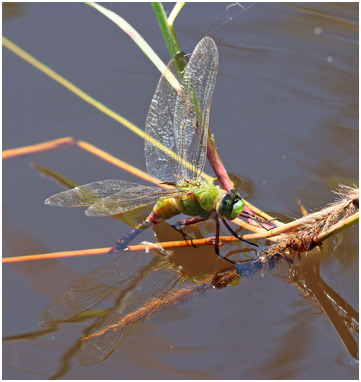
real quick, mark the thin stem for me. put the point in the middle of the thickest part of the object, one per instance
(338, 227)
(170, 36)
(179, 5)
(217, 164)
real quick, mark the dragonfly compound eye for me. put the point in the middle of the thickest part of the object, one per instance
(238, 207)
(230, 205)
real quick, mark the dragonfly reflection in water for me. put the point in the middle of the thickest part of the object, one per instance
(180, 122)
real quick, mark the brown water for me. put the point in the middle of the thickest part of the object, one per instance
(285, 115)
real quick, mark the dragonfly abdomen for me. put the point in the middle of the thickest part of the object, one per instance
(164, 210)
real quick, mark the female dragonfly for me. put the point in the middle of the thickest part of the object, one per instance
(179, 121)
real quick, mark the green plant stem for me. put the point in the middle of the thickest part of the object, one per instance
(338, 227)
(170, 37)
(168, 31)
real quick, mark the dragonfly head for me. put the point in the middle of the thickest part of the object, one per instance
(230, 205)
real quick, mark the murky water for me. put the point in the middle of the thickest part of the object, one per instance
(285, 116)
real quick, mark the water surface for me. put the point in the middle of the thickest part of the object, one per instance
(285, 115)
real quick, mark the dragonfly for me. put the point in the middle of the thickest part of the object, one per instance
(179, 121)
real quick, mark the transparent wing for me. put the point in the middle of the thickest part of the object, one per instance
(90, 193)
(180, 121)
(136, 197)
(159, 125)
(191, 116)
(110, 197)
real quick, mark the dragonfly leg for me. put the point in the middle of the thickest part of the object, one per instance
(182, 223)
(234, 233)
(259, 220)
(190, 221)
(216, 244)
(185, 236)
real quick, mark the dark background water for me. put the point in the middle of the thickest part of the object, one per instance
(284, 113)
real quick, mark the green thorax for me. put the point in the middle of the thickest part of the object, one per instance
(201, 199)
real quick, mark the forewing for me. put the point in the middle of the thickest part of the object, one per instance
(191, 116)
(90, 193)
(159, 126)
(135, 197)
